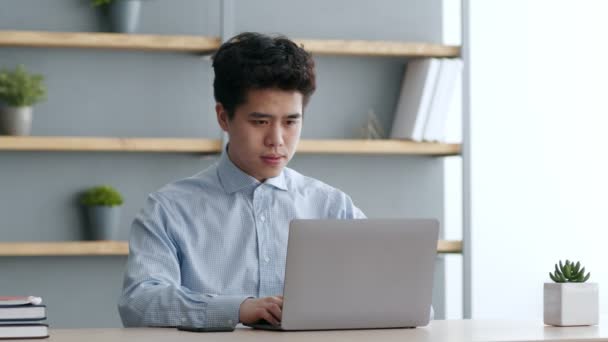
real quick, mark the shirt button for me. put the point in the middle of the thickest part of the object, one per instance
(230, 321)
(267, 259)
(263, 218)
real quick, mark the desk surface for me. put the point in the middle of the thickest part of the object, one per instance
(453, 331)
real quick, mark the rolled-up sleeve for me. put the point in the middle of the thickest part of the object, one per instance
(152, 291)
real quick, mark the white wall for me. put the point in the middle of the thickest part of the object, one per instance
(539, 75)
(451, 35)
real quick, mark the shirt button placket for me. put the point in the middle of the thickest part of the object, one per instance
(267, 265)
(262, 229)
(260, 238)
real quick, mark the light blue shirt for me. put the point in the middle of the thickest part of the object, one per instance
(204, 244)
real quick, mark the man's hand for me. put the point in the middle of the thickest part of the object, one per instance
(267, 308)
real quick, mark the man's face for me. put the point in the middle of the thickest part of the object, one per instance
(264, 131)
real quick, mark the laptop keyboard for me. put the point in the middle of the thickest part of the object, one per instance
(265, 325)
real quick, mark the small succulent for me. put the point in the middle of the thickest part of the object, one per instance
(569, 273)
(103, 195)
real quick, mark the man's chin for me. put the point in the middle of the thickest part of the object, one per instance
(271, 172)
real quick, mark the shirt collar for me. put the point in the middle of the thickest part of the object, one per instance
(278, 182)
(234, 179)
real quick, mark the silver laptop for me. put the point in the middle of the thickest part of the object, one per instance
(358, 274)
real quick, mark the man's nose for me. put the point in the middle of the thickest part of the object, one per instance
(274, 136)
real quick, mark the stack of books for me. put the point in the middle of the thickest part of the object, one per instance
(22, 317)
(425, 100)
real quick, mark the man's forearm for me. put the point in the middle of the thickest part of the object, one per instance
(168, 305)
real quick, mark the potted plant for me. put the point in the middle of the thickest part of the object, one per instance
(569, 300)
(19, 90)
(123, 15)
(102, 204)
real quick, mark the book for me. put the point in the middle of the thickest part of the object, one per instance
(23, 330)
(19, 300)
(27, 312)
(450, 72)
(415, 98)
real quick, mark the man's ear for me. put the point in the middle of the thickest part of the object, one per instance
(222, 116)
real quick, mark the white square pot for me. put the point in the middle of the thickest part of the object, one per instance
(568, 304)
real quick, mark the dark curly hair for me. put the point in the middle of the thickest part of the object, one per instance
(257, 61)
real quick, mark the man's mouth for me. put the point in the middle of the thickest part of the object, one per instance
(272, 159)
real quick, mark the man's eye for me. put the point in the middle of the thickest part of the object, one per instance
(260, 122)
(291, 122)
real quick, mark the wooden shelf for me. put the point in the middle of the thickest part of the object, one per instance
(377, 48)
(195, 44)
(95, 144)
(84, 248)
(344, 146)
(449, 246)
(64, 248)
(207, 45)
(174, 145)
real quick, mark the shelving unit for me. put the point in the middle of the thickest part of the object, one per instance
(206, 45)
(109, 248)
(173, 145)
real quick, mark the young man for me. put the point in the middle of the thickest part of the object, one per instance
(210, 250)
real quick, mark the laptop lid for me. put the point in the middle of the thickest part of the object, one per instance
(354, 274)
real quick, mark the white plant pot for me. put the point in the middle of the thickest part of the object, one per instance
(570, 304)
(15, 120)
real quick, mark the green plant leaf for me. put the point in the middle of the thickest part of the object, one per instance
(553, 277)
(577, 267)
(567, 271)
(558, 273)
(587, 277)
(582, 272)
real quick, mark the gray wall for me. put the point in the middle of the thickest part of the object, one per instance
(137, 94)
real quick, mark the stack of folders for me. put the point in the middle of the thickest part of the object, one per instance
(425, 100)
(22, 317)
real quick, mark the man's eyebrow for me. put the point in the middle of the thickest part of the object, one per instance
(257, 115)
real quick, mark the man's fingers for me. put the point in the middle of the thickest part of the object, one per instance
(275, 310)
(269, 318)
(267, 308)
(277, 300)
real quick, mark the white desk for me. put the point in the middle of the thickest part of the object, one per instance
(453, 331)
